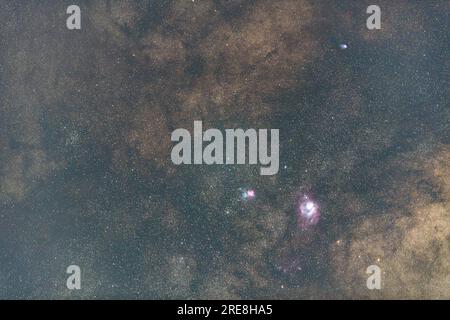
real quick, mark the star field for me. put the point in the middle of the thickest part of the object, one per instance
(86, 176)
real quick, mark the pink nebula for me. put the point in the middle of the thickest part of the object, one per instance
(308, 212)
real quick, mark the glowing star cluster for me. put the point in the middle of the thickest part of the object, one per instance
(247, 194)
(308, 212)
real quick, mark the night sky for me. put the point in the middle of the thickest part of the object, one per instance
(86, 176)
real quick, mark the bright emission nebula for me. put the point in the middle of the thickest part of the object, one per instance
(118, 181)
